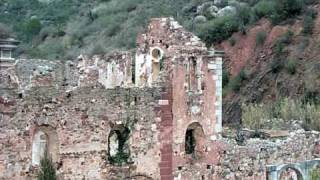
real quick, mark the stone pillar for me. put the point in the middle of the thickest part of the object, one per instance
(272, 173)
(216, 67)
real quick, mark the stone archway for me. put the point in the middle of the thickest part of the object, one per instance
(44, 139)
(290, 173)
(194, 139)
(118, 145)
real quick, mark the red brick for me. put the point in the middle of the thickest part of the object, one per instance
(166, 177)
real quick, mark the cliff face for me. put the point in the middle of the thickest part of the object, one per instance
(266, 64)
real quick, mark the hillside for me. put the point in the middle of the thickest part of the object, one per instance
(271, 45)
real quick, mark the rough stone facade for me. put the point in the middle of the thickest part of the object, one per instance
(115, 116)
(155, 114)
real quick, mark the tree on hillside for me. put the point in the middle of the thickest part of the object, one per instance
(47, 169)
(4, 31)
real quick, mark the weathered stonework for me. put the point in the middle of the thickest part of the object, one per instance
(153, 115)
(115, 116)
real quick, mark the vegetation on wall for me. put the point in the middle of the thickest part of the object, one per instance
(47, 169)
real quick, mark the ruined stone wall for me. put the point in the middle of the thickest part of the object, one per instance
(80, 105)
(82, 120)
(250, 160)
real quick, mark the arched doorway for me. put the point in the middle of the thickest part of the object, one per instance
(118, 145)
(39, 146)
(194, 140)
(45, 139)
(290, 173)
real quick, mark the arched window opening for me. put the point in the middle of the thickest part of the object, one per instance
(157, 63)
(190, 141)
(39, 146)
(194, 140)
(290, 174)
(45, 140)
(156, 53)
(118, 153)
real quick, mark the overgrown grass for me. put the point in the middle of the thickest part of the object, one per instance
(291, 66)
(257, 116)
(261, 38)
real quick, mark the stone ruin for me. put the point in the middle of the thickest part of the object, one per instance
(118, 116)
(155, 114)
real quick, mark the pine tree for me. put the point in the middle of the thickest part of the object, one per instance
(47, 169)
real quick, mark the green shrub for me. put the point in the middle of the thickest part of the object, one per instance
(315, 174)
(311, 97)
(32, 28)
(286, 38)
(236, 82)
(308, 23)
(276, 65)
(47, 170)
(261, 38)
(243, 75)
(291, 66)
(264, 8)
(254, 116)
(279, 47)
(257, 116)
(225, 78)
(218, 29)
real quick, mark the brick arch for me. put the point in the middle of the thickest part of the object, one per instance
(44, 138)
(295, 168)
(185, 127)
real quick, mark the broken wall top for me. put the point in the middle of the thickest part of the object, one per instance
(169, 35)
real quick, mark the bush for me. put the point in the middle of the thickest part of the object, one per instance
(315, 174)
(236, 82)
(47, 169)
(254, 116)
(278, 49)
(32, 28)
(264, 8)
(218, 29)
(291, 66)
(276, 65)
(286, 38)
(225, 78)
(308, 23)
(261, 38)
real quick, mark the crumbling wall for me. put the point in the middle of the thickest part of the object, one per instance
(110, 71)
(249, 161)
(82, 120)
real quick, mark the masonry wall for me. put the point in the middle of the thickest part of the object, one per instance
(82, 119)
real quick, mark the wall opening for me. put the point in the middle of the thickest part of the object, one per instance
(192, 74)
(157, 63)
(45, 139)
(118, 145)
(190, 142)
(290, 174)
(39, 146)
(194, 140)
